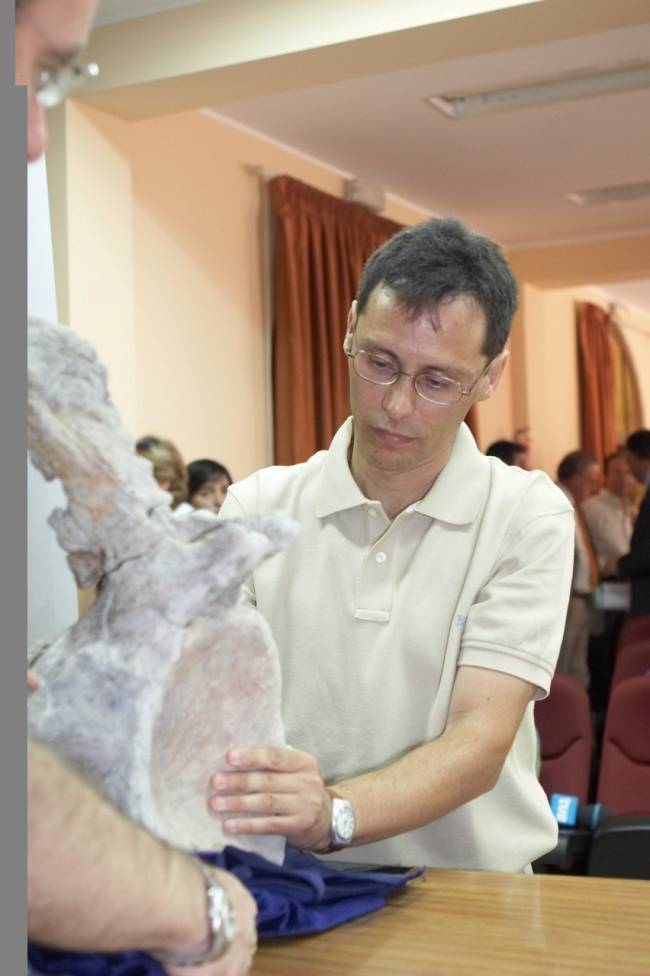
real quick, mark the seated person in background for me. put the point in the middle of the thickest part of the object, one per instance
(635, 564)
(419, 613)
(609, 514)
(578, 475)
(510, 452)
(208, 483)
(168, 466)
(522, 437)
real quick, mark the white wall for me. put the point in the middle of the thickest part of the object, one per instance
(51, 592)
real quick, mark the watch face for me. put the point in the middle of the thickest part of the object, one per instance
(343, 821)
(229, 924)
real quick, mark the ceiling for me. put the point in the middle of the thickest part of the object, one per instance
(507, 174)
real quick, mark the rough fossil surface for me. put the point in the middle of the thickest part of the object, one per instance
(149, 688)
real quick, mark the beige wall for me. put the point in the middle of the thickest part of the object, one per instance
(159, 229)
(95, 271)
(163, 226)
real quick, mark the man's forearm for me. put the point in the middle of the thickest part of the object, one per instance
(136, 891)
(425, 784)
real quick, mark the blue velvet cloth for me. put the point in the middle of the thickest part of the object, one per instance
(303, 895)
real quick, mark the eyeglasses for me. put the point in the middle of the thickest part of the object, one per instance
(57, 84)
(383, 370)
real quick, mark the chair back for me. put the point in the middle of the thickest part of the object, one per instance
(633, 660)
(634, 629)
(563, 721)
(624, 779)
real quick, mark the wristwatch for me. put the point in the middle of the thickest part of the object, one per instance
(343, 824)
(221, 921)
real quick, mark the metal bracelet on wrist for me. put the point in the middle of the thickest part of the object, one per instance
(221, 921)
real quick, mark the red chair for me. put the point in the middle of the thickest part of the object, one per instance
(624, 779)
(621, 846)
(634, 629)
(563, 721)
(632, 661)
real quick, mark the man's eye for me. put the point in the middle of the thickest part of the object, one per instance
(379, 363)
(434, 383)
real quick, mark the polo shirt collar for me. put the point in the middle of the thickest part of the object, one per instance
(456, 496)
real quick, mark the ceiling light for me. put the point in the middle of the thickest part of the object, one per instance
(610, 194)
(461, 105)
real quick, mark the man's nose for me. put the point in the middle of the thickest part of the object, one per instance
(36, 128)
(400, 397)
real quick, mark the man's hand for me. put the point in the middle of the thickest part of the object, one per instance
(281, 791)
(32, 681)
(237, 960)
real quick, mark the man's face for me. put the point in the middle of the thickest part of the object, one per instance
(618, 471)
(49, 35)
(395, 430)
(586, 484)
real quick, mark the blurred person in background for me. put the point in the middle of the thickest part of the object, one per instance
(510, 452)
(168, 466)
(207, 486)
(635, 564)
(578, 475)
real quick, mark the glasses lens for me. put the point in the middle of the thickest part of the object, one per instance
(56, 85)
(437, 388)
(375, 367)
(48, 93)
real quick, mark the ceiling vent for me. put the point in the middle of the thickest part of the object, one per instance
(462, 105)
(610, 194)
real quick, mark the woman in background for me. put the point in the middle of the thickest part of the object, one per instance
(168, 466)
(208, 483)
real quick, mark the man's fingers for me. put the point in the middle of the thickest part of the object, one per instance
(269, 757)
(259, 782)
(287, 826)
(270, 804)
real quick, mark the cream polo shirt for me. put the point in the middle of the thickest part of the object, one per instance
(373, 617)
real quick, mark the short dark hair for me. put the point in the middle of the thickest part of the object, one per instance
(442, 259)
(204, 470)
(574, 463)
(639, 443)
(506, 451)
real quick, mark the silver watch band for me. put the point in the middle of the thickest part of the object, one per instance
(221, 920)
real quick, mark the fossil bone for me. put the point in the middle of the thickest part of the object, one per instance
(166, 670)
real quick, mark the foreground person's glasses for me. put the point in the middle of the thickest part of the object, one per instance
(57, 84)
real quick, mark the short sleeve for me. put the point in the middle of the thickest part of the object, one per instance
(516, 623)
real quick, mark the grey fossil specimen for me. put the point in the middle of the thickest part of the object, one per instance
(166, 670)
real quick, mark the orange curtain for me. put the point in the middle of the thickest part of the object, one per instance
(321, 244)
(628, 415)
(596, 381)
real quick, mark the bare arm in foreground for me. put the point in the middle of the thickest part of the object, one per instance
(99, 882)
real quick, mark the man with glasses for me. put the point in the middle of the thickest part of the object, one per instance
(420, 612)
(96, 880)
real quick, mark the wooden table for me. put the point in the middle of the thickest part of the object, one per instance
(451, 923)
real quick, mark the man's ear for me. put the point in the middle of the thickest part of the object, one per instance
(491, 380)
(351, 326)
